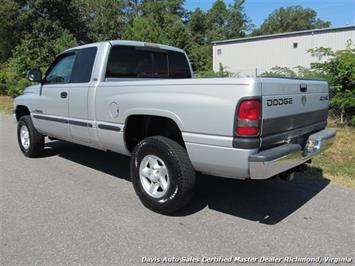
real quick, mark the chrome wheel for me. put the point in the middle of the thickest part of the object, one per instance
(25, 137)
(154, 176)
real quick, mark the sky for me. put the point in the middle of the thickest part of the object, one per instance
(338, 12)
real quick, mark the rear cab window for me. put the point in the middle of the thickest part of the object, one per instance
(146, 62)
(178, 65)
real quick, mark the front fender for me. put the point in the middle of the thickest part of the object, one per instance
(21, 101)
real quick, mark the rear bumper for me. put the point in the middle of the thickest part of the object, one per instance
(273, 161)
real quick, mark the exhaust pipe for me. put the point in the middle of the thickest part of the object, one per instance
(290, 175)
(287, 176)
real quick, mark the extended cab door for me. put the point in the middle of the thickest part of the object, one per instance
(50, 114)
(79, 122)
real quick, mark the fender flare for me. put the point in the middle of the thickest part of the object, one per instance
(154, 112)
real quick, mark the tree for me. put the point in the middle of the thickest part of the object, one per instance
(200, 50)
(200, 57)
(145, 30)
(227, 22)
(161, 10)
(339, 69)
(11, 26)
(197, 26)
(49, 27)
(28, 55)
(49, 19)
(220, 22)
(177, 34)
(292, 18)
(216, 21)
(105, 19)
(132, 9)
(279, 72)
(159, 21)
(237, 21)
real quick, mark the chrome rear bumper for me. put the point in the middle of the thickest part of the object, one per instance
(273, 161)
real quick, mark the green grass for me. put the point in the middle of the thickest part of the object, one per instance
(337, 163)
(6, 105)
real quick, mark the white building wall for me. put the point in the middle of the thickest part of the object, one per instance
(251, 56)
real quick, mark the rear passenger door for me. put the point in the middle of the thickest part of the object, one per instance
(80, 124)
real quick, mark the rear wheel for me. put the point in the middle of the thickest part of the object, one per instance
(162, 174)
(30, 140)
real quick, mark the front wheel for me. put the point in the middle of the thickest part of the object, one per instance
(162, 174)
(30, 140)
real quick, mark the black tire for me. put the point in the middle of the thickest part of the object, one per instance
(180, 171)
(36, 143)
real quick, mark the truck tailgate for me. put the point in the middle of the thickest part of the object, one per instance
(292, 108)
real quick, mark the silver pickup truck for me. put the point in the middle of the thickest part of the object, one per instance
(140, 99)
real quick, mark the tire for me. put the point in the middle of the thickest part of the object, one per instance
(35, 145)
(179, 178)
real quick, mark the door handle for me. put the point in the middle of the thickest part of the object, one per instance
(63, 94)
(303, 87)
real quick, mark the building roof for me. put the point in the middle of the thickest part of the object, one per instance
(285, 34)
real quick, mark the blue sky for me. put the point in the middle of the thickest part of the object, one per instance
(338, 12)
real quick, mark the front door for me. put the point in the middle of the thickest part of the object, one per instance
(51, 111)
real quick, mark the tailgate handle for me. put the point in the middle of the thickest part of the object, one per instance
(303, 87)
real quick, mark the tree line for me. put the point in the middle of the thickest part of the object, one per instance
(33, 32)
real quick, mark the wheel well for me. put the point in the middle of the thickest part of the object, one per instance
(20, 111)
(139, 127)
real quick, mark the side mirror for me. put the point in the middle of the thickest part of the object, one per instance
(34, 75)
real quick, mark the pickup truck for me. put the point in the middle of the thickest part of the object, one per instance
(140, 99)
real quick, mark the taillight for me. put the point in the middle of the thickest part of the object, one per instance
(248, 118)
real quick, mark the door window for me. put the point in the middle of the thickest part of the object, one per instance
(60, 71)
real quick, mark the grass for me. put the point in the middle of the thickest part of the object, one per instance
(6, 106)
(337, 163)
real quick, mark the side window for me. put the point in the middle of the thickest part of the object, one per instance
(136, 62)
(61, 69)
(178, 65)
(83, 65)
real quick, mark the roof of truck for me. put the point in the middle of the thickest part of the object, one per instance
(146, 44)
(129, 43)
